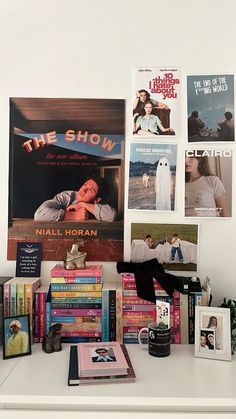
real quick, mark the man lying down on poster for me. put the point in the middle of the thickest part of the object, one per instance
(79, 205)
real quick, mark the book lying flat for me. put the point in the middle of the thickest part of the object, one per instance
(74, 379)
(105, 358)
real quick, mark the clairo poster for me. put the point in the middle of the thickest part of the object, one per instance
(208, 183)
(152, 174)
(67, 176)
(156, 102)
(174, 245)
(210, 108)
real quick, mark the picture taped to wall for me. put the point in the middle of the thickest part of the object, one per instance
(67, 176)
(210, 108)
(208, 183)
(156, 101)
(173, 245)
(152, 174)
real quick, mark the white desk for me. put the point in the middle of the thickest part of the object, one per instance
(170, 387)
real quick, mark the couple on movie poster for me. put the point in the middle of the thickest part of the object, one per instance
(156, 102)
(66, 176)
(210, 108)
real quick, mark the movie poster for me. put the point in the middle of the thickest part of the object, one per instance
(208, 183)
(173, 245)
(67, 176)
(156, 102)
(152, 174)
(210, 108)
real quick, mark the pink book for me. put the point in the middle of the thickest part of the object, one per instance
(60, 271)
(101, 359)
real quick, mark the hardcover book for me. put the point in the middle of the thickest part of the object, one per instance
(59, 271)
(74, 378)
(103, 359)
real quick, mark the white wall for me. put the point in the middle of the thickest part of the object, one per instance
(76, 48)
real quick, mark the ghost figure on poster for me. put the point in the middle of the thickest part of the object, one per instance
(163, 185)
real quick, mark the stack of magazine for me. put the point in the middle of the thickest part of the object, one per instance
(99, 362)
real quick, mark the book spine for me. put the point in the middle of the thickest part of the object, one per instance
(131, 329)
(135, 300)
(132, 286)
(6, 299)
(67, 273)
(79, 333)
(12, 299)
(42, 315)
(36, 318)
(77, 300)
(76, 312)
(75, 306)
(190, 319)
(75, 294)
(105, 315)
(176, 318)
(119, 314)
(138, 321)
(29, 302)
(76, 287)
(112, 315)
(48, 315)
(127, 277)
(77, 280)
(20, 299)
(73, 319)
(133, 293)
(80, 339)
(138, 313)
(138, 307)
(184, 319)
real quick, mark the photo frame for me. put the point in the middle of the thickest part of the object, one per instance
(16, 336)
(212, 333)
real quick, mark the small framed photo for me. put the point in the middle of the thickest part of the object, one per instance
(16, 336)
(212, 333)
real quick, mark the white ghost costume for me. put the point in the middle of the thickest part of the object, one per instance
(163, 185)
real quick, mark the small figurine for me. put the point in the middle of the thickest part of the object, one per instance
(74, 258)
(52, 341)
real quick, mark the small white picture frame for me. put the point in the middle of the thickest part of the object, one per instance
(212, 333)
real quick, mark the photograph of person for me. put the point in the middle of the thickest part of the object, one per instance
(87, 202)
(208, 183)
(104, 355)
(150, 125)
(16, 337)
(215, 323)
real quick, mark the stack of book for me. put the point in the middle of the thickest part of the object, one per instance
(76, 302)
(18, 297)
(106, 362)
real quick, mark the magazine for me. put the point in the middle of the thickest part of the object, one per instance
(208, 183)
(156, 102)
(210, 108)
(152, 174)
(105, 358)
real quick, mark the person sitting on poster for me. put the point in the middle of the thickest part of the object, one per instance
(204, 193)
(149, 124)
(195, 125)
(175, 248)
(226, 130)
(142, 97)
(79, 205)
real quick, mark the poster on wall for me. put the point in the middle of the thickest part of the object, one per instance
(66, 176)
(210, 108)
(156, 101)
(152, 174)
(208, 183)
(173, 245)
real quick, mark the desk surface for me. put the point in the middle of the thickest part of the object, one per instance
(177, 383)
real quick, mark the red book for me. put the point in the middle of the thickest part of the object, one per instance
(92, 270)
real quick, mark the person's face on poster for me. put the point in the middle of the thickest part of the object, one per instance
(88, 192)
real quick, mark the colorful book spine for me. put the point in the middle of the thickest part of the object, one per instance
(76, 294)
(76, 287)
(6, 299)
(132, 286)
(105, 315)
(48, 311)
(13, 299)
(77, 300)
(93, 270)
(135, 300)
(112, 315)
(75, 306)
(133, 293)
(138, 307)
(76, 312)
(119, 316)
(42, 315)
(81, 333)
(75, 320)
(36, 319)
(80, 339)
(176, 318)
(80, 327)
(77, 280)
(190, 319)
(184, 318)
(20, 298)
